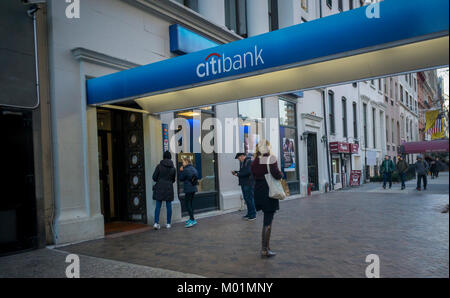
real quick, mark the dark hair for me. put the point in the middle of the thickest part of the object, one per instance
(167, 155)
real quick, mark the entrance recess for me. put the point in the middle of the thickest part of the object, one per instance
(18, 221)
(408, 35)
(121, 165)
(313, 165)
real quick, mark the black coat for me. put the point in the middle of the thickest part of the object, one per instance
(262, 200)
(186, 176)
(245, 172)
(164, 176)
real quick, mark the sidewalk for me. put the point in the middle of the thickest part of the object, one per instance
(51, 263)
(435, 186)
(326, 235)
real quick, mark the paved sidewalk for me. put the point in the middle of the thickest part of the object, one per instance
(435, 186)
(326, 235)
(51, 263)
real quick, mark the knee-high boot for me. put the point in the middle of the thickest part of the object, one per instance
(265, 251)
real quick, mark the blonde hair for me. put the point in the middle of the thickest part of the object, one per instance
(186, 160)
(263, 144)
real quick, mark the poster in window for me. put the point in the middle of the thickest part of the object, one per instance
(289, 154)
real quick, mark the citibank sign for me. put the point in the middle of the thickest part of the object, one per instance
(216, 64)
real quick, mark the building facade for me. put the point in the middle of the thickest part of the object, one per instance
(26, 188)
(103, 158)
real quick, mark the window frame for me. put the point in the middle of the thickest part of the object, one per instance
(331, 112)
(344, 117)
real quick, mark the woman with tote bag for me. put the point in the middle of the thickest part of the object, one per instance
(263, 164)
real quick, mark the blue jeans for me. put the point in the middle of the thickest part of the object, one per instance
(387, 176)
(403, 178)
(247, 192)
(158, 210)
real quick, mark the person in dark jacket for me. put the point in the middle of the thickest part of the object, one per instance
(246, 182)
(439, 167)
(433, 168)
(164, 176)
(189, 176)
(263, 202)
(387, 168)
(402, 168)
(422, 171)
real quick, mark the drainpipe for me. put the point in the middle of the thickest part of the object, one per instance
(32, 12)
(330, 185)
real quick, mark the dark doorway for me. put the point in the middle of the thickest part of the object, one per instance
(18, 222)
(313, 167)
(121, 166)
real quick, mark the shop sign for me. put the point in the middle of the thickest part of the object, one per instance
(354, 148)
(339, 147)
(355, 178)
(165, 137)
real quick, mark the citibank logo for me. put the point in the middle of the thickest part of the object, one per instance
(216, 64)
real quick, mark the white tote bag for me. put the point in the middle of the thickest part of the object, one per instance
(276, 190)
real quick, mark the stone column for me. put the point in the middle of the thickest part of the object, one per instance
(230, 193)
(257, 17)
(213, 10)
(286, 13)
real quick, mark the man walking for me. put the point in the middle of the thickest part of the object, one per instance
(402, 168)
(387, 168)
(422, 171)
(246, 182)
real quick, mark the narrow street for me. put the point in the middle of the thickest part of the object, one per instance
(326, 235)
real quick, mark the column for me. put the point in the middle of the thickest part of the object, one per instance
(230, 192)
(257, 17)
(214, 10)
(288, 13)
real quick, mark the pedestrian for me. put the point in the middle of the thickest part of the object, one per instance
(402, 168)
(421, 171)
(189, 176)
(433, 168)
(387, 168)
(247, 184)
(439, 166)
(164, 176)
(263, 202)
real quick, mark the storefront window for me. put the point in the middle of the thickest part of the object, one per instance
(287, 113)
(251, 127)
(336, 170)
(288, 139)
(205, 163)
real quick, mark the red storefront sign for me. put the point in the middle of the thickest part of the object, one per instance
(354, 148)
(339, 147)
(355, 178)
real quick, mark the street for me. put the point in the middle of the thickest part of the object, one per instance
(326, 235)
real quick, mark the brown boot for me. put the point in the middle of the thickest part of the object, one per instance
(265, 251)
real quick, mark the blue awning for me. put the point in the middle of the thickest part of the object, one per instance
(409, 35)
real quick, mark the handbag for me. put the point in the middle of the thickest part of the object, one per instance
(276, 190)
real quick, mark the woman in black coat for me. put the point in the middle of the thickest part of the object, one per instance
(189, 176)
(262, 200)
(164, 176)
